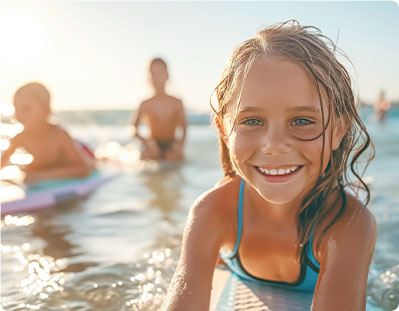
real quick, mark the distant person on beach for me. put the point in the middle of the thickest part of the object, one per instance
(164, 115)
(381, 108)
(55, 154)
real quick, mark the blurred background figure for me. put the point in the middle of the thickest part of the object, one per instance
(55, 154)
(381, 108)
(164, 115)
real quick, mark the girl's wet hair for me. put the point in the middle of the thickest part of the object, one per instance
(35, 90)
(308, 47)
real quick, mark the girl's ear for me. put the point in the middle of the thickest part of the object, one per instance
(340, 127)
(220, 128)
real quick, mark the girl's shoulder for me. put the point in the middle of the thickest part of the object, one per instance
(220, 199)
(355, 226)
(216, 209)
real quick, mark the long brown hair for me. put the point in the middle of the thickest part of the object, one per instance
(316, 53)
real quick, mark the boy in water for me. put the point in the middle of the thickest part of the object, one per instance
(381, 108)
(164, 114)
(55, 154)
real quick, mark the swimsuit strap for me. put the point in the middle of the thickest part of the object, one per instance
(239, 229)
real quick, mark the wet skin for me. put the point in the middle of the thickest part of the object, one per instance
(55, 153)
(278, 97)
(163, 114)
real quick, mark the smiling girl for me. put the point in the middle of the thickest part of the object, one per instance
(285, 213)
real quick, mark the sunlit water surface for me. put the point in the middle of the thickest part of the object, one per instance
(117, 249)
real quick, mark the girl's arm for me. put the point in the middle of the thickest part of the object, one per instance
(190, 288)
(346, 252)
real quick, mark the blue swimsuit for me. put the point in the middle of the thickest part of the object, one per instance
(309, 272)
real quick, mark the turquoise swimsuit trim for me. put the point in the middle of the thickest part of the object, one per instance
(309, 271)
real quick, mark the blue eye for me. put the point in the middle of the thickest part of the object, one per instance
(302, 122)
(252, 122)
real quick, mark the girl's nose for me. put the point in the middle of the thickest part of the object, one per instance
(276, 142)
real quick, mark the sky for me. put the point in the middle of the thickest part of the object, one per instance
(94, 55)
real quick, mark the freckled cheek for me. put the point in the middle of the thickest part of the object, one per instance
(313, 151)
(242, 147)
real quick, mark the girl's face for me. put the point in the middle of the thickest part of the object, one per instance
(279, 104)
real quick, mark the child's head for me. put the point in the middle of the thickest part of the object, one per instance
(32, 104)
(158, 71)
(286, 102)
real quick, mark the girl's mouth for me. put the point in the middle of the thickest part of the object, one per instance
(279, 174)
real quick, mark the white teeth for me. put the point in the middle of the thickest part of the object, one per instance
(278, 171)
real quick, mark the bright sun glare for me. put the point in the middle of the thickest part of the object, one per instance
(20, 35)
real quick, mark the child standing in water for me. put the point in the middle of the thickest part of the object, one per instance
(282, 215)
(381, 108)
(55, 154)
(164, 115)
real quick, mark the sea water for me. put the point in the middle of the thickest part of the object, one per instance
(117, 249)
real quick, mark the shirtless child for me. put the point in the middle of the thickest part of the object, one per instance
(164, 115)
(55, 154)
(381, 108)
